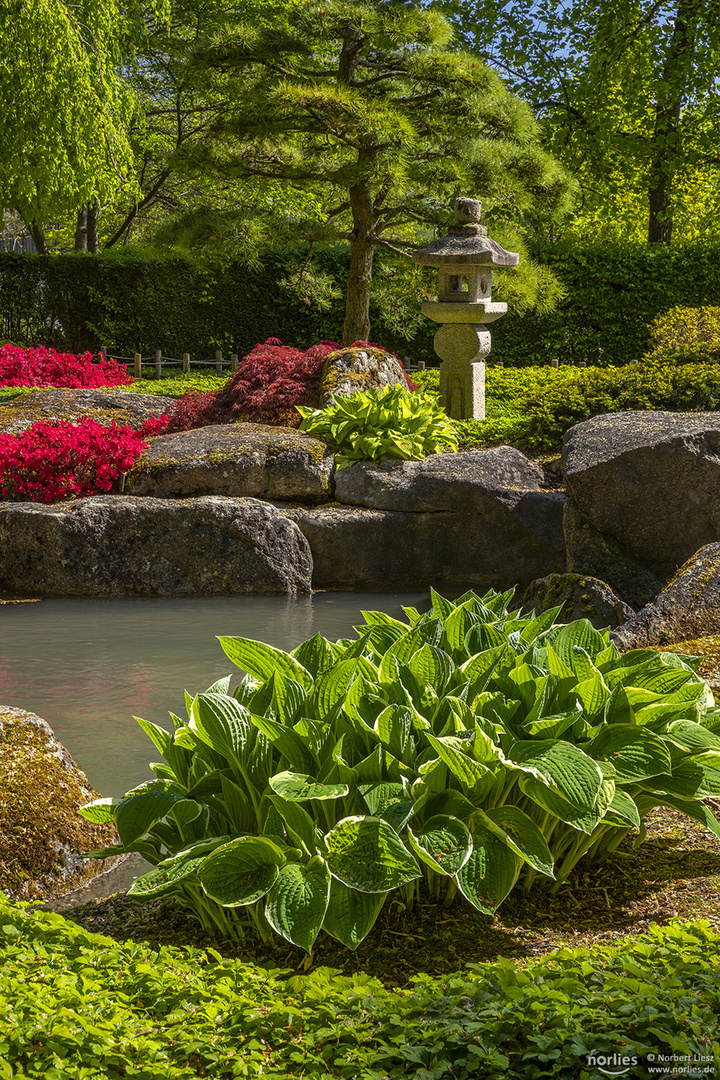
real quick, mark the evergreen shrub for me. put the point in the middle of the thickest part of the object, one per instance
(685, 335)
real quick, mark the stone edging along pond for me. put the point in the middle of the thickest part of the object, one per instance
(253, 509)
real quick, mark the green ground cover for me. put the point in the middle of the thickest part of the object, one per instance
(80, 1006)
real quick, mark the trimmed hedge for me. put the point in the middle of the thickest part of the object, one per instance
(134, 302)
(78, 1006)
(614, 292)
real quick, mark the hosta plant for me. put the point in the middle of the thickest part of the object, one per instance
(469, 746)
(389, 422)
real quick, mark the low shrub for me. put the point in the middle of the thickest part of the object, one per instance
(79, 1006)
(46, 367)
(685, 335)
(391, 422)
(579, 393)
(469, 746)
(52, 461)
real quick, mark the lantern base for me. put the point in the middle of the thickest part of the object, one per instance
(462, 389)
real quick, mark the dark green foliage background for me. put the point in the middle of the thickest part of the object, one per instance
(132, 301)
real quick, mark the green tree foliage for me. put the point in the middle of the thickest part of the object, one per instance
(366, 106)
(63, 107)
(628, 92)
(173, 111)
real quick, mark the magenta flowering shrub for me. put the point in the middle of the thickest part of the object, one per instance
(48, 462)
(46, 367)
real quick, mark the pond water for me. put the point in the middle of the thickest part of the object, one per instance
(89, 666)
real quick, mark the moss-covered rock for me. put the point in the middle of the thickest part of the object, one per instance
(578, 597)
(41, 832)
(103, 406)
(351, 369)
(235, 459)
(688, 608)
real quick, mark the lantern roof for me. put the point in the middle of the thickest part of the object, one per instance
(467, 242)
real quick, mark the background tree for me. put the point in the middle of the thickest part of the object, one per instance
(366, 107)
(627, 90)
(64, 109)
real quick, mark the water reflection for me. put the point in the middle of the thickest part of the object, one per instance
(89, 666)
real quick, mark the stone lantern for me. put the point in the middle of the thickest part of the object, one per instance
(465, 258)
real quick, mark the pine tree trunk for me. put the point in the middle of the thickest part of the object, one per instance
(362, 250)
(81, 228)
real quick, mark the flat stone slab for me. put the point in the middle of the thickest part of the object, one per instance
(255, 460)
(40, 828)
(650, 480)
(119, 545)
(103, 406)
(362, 548)
(688, 608)
(478, 482)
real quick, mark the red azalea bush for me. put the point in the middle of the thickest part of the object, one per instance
(48, 462)
(270, 381)
(46, 367)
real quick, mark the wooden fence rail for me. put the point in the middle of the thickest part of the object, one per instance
(157, 361)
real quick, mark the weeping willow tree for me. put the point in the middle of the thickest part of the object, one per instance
(367, 106)
(64, 107)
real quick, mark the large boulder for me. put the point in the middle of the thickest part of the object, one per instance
(489, 482)
(354, 547)
(41, 832)
(649, 480)
(126, 545)
(578, 597)
(592, 554)
(103, 406)
(235, 459)
(359, 368)
(688, 608)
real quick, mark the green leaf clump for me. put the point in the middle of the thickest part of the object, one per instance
(469, 746)
(385, 422)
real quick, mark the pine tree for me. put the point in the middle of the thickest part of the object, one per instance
(367, 105)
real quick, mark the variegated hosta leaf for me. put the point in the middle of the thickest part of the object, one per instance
(165, 879)
(261, 660)
(222, 723)
(459, 761)
(351, 914)
(624, 807)
(100, 811)
(521, 834)
(562, 767)
(297, 902)
(490, 872)
(365, 853)
(548, 799)
(135, 816)
(387, 800)
(634, 752)
(298, 787)
(242, 871)
(443, 843)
